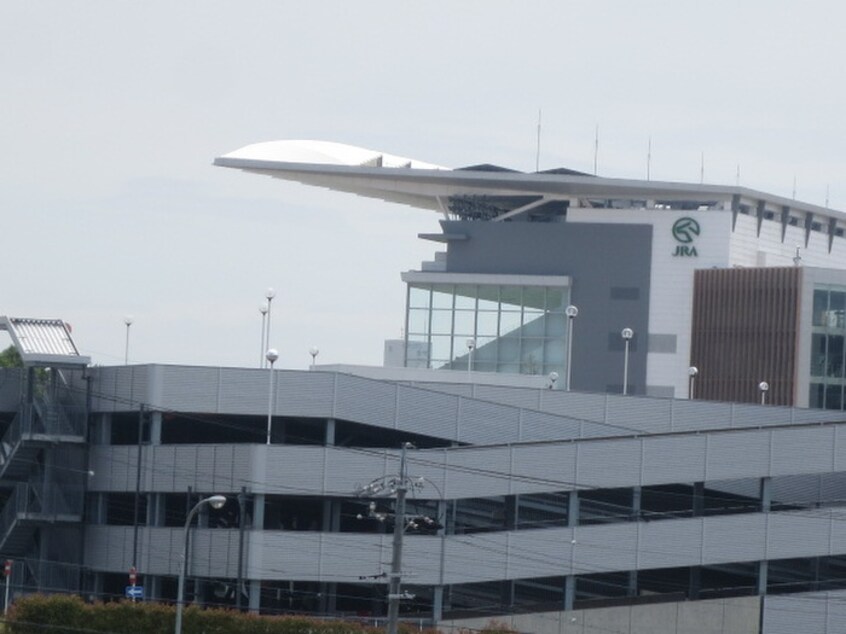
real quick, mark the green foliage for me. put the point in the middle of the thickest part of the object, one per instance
(9, 358)
(65, 614)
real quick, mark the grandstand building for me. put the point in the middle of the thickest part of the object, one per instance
(740, 284)
(553, 510)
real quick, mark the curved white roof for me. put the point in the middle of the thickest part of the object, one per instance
(324, 153)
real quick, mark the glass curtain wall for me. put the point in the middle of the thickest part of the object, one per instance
(517, 329)
(827, 347)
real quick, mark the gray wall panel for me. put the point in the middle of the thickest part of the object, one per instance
(790, 448)
(481, 471)
(304, 394)
(367, 401)
(191, 389)
(737, 455)
(605, 548)
(733, 538)
(798, 534)
(428, 412)
(595, 458)
(670, 543)
(544, 467)
(540, 426)
(478, 557)
(805, 613)
(482, 422)
(650, 415)
(674, 459)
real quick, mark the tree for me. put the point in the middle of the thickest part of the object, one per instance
(10, 358)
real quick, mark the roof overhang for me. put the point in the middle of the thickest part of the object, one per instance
(396, 179)
(43, 342)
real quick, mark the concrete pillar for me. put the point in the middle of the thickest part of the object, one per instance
(573, 509)
(762, 577)
(698, 499)
(258, 511)
(766, 494)
(569, 592)
(155, 428)
(637, 495)
(437, 605)
(255, 596)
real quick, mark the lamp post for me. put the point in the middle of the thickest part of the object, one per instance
(763, 387)
(572, 312)
(270, 294)
(128, 321)
(271, 356)
(313, 351)
(263, 311)
(216, 502)
(692, 371)
(471, 345)
(626, 334)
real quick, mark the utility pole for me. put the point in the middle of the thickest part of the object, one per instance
(394, 586)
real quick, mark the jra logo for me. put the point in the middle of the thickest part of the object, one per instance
(685, 230)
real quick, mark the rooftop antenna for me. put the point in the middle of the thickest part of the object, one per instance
(702, 167)
(648, 156)
(595, 149)
(826, 196)
(537, 153)
(737, 176)
(794, 187)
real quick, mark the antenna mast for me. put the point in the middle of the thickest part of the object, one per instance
(537, 153)
(595, 149)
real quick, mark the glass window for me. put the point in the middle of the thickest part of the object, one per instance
(486, 324)
(533, 325)
(488, 297)
(820, 307)
(509, 350)
(465, 297)
(554, 352)
(465, 323)
(442, 296)
(441, 347)
(834, 397)
(418, 321)
(834, 357)
(419, 296)
(556, 325)
(509, 324)
(442, 322)
(816, 396)
(837, 305)
(534, 298)
(532, 357)
(818, 354)
(511, 297)
(556, 299)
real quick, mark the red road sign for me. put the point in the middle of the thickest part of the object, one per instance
(7, 568)
(133, 576)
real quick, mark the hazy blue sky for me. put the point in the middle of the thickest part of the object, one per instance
(111, 113)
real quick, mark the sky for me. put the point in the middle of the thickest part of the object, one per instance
(111, 113)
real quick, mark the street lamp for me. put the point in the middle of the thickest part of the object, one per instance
(263, 311)
(626, 334)
(553, 379)
(271, 356)
(692, 371)
(216, 502)
(270, 294)
(128, 321)
(471, 345)
(763, 387)
(572, 312)
(313, 351)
